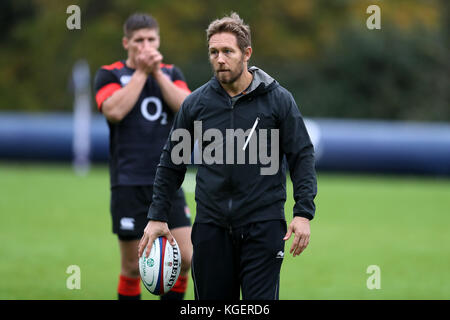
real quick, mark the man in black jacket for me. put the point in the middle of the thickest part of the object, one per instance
(235, 119)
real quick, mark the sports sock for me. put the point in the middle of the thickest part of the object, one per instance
(178, 290)
(129, 288)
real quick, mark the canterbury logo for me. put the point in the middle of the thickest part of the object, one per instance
(127, 223)
(280, 255)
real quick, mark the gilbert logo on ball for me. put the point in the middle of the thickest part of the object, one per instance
(161, 269)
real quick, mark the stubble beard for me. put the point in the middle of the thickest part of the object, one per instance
(233, 76)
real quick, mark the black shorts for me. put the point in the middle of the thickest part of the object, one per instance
(129, 209)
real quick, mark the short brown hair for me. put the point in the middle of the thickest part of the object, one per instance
(233, 24)
(139, 21)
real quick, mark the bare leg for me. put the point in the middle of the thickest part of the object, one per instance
(129, 281)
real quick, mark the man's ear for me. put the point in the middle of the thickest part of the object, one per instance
(125, 43)
(159, 42)
(247, 53)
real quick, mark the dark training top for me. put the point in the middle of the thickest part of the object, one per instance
(233, 195)
(136, 142)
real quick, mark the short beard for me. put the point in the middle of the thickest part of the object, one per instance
(232, 79)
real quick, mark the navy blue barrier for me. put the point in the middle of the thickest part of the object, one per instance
(341, 145)
(48, 137)
(382, 146)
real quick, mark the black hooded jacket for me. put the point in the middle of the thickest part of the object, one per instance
(230, 193)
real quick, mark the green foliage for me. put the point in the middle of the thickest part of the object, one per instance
(319, 50)
(376, 75)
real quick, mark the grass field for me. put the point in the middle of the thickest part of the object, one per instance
(51, 219)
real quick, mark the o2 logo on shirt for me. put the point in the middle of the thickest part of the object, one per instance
(158, 112)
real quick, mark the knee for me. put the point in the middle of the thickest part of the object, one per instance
(183, 236)
(130, 268)
(186, 259)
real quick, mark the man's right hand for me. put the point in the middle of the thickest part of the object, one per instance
(147, 60)
(153, 230)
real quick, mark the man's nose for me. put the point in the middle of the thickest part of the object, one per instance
(145, 45)
(220, 58)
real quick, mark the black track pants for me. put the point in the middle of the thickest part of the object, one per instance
(247, 257)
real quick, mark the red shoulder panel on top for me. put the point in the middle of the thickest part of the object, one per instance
(167, 66)
(115, 65)
(182, 85)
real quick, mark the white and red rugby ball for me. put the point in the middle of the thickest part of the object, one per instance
(161, 269)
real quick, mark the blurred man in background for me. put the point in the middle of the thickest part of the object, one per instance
(139, 97)
(240, 228)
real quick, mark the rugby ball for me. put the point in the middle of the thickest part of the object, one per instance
(161, 269)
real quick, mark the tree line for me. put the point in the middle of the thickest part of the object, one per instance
(320, 50)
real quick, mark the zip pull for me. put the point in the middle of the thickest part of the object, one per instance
(251, 133)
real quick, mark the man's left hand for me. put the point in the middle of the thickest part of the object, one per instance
(155, 59)
(302, 232)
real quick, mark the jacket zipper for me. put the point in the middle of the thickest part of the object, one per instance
(230, 201)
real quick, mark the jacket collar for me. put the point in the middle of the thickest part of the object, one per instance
(262, 82)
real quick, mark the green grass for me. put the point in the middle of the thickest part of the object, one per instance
(51, 219)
